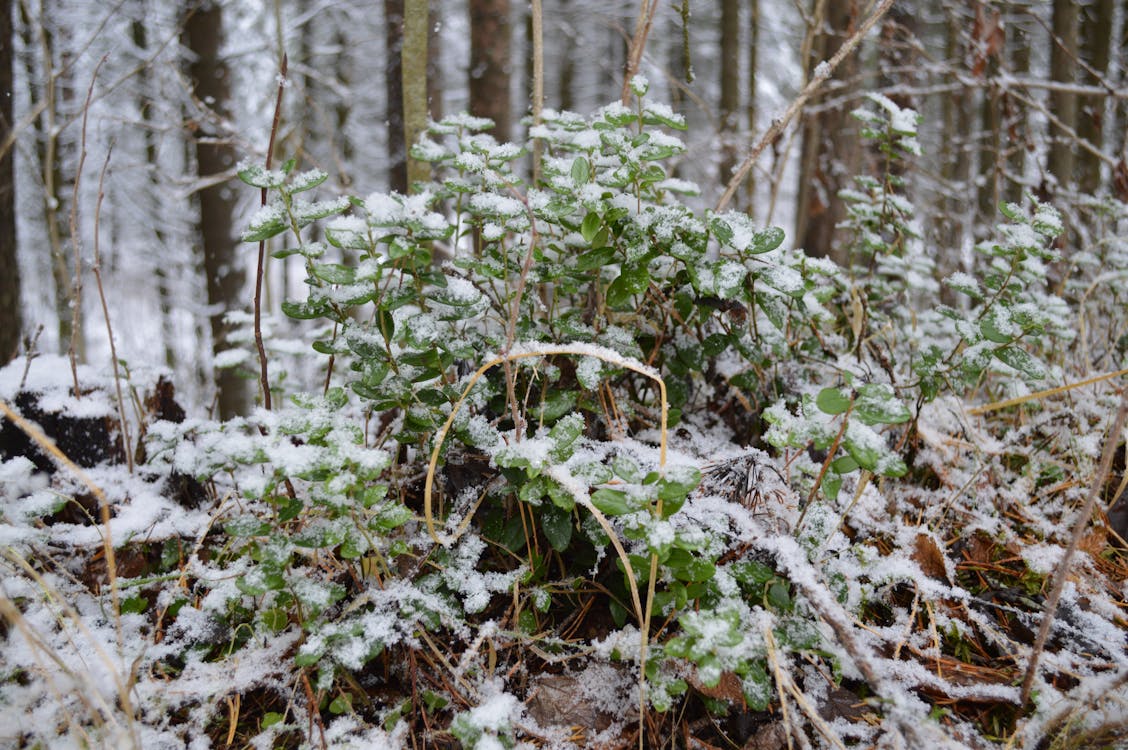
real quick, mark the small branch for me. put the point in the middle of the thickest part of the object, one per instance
(1111, 443)
(822, 73)
(127, 442)
(638, 44)
(264, 379)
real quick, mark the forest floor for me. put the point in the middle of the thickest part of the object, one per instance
(125, 619)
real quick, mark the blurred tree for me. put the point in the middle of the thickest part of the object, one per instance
(50, 74)
(1096, 44)
(490, 64)
(831, 153)
(393, 95)
(11, 312)
(1063, 101)
(730, 87)
(208, 128)
(415, 61)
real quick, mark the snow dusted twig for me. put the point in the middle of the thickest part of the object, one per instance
(806, 578)
(1042, 394)
(264, 379)
(1111, 443)
(822, 72)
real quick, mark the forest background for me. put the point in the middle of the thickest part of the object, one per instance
(1014, 96)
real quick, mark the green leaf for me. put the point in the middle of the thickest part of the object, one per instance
(334, 273)
(767, 240)
(305, 310)
(266, 226)
(307, 181)
(633, 280)
(134, 605)
(721, 230)
(774, 307)
(611, 502)
(779, 597)
(832, 401)
(257, 175)
(596, 258)
(626, 469)
(876, 403)
(342, 704)
(275, 619)
(991, 332)
(581, 172)
(590, 226)
(1021, 360)
(557, 526)
(562, 435)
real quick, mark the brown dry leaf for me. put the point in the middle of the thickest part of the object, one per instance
(928, 555)
(728, 689)
(768, 737)
(559, 700)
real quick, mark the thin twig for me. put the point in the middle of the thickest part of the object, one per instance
(1079, 526)
(264, 379)
(634, 54)
(127, 442)
(1042, 394)
(822, 72)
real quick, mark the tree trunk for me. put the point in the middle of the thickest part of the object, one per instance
(730, 87)
(1096, 38)
(211, 85)
(416, 24)
(52, 88)
(1018, 44)
(1063, 104)
(393, 95)
(831, 154)
(435, 62)
(151, 196)
(753, 65)
(11, 311)
(490, 64)
(955, 157)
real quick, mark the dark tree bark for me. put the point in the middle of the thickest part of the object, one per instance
(211, 89)
(490, 64)
(730, 87)
(393, 95)
(11, 312)
(753, 67)
(1019, 35)
(1096, 44)
(831, 154)
(1063, 104)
